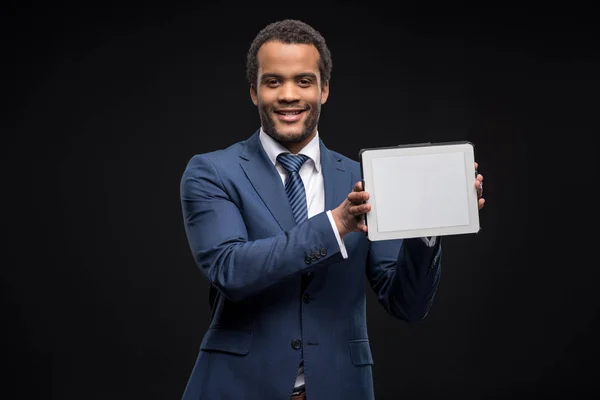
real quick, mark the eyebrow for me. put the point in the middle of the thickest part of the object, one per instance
(302, 75)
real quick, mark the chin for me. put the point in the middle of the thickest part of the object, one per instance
(289, 133)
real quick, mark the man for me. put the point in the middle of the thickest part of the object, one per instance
(275, 223)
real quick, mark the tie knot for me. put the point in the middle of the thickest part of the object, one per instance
(292, 162)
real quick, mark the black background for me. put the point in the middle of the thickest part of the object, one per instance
(106, 104)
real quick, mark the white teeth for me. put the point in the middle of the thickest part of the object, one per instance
(290, 113)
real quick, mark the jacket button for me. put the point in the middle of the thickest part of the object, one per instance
(306, 298)
(296, 344)
(307, 259)
(323, 251)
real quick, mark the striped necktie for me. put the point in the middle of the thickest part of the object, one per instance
(294, 188)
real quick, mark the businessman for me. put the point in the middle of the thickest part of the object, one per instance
(276, 225)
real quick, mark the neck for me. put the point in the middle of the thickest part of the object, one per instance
(295, 147)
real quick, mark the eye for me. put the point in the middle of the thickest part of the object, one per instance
(272, 82)
(305, 82)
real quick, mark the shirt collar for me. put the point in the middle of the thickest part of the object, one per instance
(273, 148)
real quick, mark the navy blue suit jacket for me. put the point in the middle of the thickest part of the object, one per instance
(284, 291)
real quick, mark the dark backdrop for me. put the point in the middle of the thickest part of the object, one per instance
(106, 105)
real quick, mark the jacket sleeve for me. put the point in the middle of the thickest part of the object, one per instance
(219, 243)
(405, 276)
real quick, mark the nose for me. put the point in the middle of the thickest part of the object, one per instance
(288, 93)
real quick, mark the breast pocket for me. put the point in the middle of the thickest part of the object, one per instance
(360, 352)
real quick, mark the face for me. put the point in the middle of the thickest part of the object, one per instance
(289, 92)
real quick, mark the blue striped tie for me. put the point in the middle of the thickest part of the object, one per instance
(294, 188)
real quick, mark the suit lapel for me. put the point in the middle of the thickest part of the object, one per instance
(336, 179)
(266, 181)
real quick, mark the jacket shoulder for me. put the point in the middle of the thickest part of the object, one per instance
(219, 156)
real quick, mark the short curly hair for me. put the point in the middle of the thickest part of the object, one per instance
(289, 31)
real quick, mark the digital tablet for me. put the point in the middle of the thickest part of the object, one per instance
(420, 190)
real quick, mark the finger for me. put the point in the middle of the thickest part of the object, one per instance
(361, 224)
(362, 227)
(358, 187)
(479, 189)
(480, 177)
(359, 209)
(358, 197)
(481, 203)
(476, 165)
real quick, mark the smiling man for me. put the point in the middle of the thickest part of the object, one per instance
(275, 223)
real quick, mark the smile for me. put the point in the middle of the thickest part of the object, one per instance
(289, 116)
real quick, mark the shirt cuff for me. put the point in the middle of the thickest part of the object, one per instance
(337, 235)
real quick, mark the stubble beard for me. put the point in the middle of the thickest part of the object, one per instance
(309, 126)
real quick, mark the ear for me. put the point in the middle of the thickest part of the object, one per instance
(254, 95)
(324, 92)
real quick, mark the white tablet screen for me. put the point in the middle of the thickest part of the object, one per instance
(410, 196)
